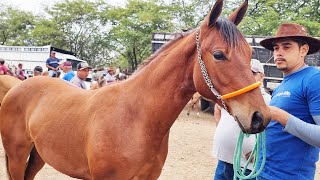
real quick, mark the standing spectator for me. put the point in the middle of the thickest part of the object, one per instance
(109, 76)
(67, 69)
(82, 74)
(293, 135)
(3, 68)
(98, 84)
(19, 72)
(227, 132)
(52, 64)
(95, 75)
(37, 71)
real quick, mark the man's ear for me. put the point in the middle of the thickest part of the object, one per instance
(304, 49)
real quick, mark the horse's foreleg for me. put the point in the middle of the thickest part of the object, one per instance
(190, 106)
(152, 169)
(35, 164)
(7, 166)
(161, 158)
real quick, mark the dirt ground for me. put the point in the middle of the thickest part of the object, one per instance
(189, 155)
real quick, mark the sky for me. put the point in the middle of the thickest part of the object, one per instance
(37, 6)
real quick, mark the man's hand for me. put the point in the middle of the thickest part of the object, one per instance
(248, 155)
(279, 115)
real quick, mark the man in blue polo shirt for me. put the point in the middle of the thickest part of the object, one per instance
(293, 136)
(67, 69)
(52, 64)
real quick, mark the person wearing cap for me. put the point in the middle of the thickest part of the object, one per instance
(293, 135)
(109, 76)
(227, 132)
(37, 71)
(82, 74)
(52, 64)
(67, 69)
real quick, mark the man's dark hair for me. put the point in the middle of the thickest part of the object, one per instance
(300, 42)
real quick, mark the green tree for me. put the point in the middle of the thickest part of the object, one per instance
(15, 26)
(133, 25)
(264, 16)
(77, 27)
(189, 14)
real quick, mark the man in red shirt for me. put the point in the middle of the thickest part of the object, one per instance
(3, 68)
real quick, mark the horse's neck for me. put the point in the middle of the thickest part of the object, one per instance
(166, 85)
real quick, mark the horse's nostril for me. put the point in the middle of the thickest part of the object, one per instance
(257, 121)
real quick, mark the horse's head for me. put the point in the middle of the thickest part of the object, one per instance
(225, 60)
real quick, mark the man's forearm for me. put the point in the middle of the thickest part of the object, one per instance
(309, 133)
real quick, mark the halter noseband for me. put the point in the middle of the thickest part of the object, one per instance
(210, 85)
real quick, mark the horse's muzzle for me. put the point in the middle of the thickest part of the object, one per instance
(257, 123)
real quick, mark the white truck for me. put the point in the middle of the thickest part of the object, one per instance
(32, 56)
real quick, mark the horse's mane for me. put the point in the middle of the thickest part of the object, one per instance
(230, 33)
(227, 29)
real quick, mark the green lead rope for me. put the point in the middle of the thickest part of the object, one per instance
(239, 172)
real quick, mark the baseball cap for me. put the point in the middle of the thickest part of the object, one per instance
(83, 65)
(38, 68)
(256, 66)
(67, 63)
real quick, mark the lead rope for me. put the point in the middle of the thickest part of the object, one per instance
(239, 172)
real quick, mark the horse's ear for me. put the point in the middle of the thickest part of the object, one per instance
(215, 13)
(237, 16)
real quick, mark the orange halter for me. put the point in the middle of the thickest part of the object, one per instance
(210, 85)
(241, 91)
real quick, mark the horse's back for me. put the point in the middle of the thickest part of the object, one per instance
(6, 83)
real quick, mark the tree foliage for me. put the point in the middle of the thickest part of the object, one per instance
(15, 26)
(264, 16)
(79, 26)
(133, 25)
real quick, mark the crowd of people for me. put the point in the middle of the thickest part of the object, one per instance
(15, 71)
(63, 69)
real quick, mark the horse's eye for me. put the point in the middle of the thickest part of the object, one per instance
(218, 55)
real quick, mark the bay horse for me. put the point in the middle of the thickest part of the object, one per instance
(194, 103)
(6, 83)
(121, 131)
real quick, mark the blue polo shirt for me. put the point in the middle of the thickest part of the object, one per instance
(53, 62)
(288, 157)
(68, 76)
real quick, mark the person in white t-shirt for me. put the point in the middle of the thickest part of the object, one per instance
(227, 132)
